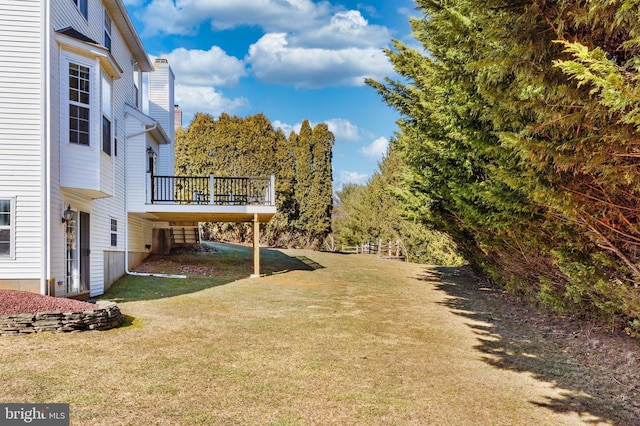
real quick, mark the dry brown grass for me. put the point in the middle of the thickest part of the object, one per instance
(325, 339)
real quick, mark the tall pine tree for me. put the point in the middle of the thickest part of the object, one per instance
(519, 135)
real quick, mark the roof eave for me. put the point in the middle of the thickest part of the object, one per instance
(121, 18)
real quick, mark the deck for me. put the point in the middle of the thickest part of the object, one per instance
(211, 198)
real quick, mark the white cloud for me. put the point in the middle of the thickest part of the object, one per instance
(194, 99)
(199, 67)
(163, 16)
(286, 128)
(185, 16)
(305, 43)
(274, 61)
(376, 149)
(197, 73)
(343, 129)
(344, 29)
(344, 177)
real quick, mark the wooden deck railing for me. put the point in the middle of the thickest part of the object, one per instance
(223, 191)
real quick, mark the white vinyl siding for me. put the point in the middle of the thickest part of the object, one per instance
(21, 130)
(161, 104)
(136, 152)
(106, 209)
(108, 172)
(34, 116)
(140, 234)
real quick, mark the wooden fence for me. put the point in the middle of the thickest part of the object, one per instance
(388, 250)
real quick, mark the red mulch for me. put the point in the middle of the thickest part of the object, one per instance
(23, 302)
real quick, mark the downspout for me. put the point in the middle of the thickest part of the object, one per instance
(126, 214)
(45, 159)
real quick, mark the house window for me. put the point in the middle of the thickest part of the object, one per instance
(107, 31)
(83, 7)
(106, 115)
(115, 137)
(7, 209)
(106, 135)
(114, 233)
(79, 107)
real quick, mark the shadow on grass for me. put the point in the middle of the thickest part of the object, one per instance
(130, 322)
(514, 341)
(204, 270)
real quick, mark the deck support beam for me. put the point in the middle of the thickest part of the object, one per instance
(256, 246)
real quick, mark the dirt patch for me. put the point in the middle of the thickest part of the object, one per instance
(158, 264)
(24, 302)
(197, 248)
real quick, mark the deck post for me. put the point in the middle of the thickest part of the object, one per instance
(256, 246)
(149, 189)
(272, 190)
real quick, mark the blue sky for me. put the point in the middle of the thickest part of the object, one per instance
(289, 59)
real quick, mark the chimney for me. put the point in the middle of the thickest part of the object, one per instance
(177, 116)
(161, 105)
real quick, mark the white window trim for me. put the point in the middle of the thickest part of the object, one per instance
(106, 108)
(12, 229)
(77, 4)
(107, 29)
(112, 232)
(95, 114)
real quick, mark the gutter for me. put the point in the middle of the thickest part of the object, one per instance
(126, 214)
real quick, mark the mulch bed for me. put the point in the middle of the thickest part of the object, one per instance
(23, 302)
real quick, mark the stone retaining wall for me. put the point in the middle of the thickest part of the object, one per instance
(106, 315)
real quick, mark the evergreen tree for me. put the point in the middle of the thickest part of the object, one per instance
(319, 225)
(373, 213)
(518, 131)
(251, 147)
(303, 192)
(193, 146)
(279, 231)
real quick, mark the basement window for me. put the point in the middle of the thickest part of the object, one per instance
(114, 233)
(7, 219)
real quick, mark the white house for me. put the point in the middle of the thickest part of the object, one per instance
(86, 185)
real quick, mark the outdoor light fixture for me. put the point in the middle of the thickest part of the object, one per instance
(67, 215)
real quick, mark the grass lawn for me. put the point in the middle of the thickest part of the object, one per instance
(323, 339)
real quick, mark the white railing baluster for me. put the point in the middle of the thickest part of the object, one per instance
(272, 191)
(212, 188)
